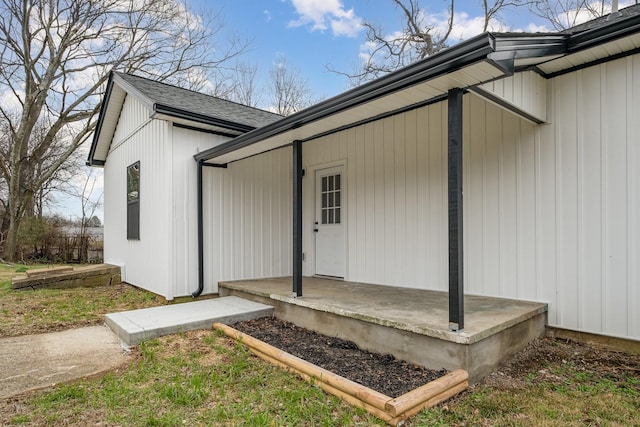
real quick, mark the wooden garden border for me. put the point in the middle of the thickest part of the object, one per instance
(393, 411)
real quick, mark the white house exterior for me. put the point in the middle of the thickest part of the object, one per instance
(550, 168)
(134, 127)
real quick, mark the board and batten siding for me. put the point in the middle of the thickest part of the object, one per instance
(184, 209)
(165, 258)
(589, 179)
(551, 212)
(247, 218)
(526, 90)
(145, 261)
(394, 198)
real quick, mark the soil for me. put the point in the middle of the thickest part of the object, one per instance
(541, 361)
(380, 372)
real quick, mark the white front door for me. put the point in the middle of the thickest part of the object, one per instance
(329, 222)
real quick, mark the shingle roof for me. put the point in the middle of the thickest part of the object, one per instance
(604, 20)
(199, 103)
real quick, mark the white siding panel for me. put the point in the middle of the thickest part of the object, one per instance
(568, 237)
(526, 90)
(526, 213)
(474, 167)
(546, 225)
(596, 172)
(395, 198)
(146, 261)
(134, 114)
(248, 218)
(590, 219)
(551, 211)
(184, 204)
(615, 197)
(633, 179)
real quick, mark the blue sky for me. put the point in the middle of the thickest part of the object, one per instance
(314, 34)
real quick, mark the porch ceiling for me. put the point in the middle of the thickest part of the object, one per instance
(438, 87)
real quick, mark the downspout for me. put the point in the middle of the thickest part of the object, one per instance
(198, 291)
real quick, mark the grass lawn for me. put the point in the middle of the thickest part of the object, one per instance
(46, 310)
(202, 378)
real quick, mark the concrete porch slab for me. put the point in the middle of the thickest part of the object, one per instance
(135, 326)
(411, 324)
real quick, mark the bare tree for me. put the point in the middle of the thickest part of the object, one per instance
(55, 56)
(564, 14)
(89, 202)
(493, 9)
(418, 38)
(289, 91)
(246, 90)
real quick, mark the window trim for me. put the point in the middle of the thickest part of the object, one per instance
(133, 205)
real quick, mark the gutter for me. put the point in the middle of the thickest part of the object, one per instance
(471, 51)
(599, 35)
(499, 49)
(200, 118)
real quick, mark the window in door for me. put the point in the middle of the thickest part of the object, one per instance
(330, 199)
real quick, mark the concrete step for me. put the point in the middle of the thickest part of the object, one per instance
(135, 326)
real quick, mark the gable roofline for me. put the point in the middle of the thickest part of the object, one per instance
(187, 102)
(91, 161)
(120, 85)
(503, 50)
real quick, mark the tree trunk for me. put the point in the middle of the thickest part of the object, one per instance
(18, 200)
(11, 246)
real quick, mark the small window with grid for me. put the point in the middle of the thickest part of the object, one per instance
(331, 202)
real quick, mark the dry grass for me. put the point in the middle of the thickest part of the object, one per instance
(202, 378)
(45, 310)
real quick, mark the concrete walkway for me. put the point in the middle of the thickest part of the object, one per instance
(32, 362)
(135, 326)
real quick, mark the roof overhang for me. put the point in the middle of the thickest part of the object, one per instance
(476, 61)
(467, 65)
(115, 95)
(616, 39)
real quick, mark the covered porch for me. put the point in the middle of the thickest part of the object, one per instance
(409, 323)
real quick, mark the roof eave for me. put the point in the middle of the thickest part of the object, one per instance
(612, 31)
(201, 118)
(96, 134)
(471, 51)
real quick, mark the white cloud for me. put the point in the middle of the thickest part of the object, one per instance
(535, 28)
(322, 15)
(464, 25)
(11, 101)
(267, 15)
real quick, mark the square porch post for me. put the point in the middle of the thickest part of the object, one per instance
(297, 219)
(456, 288)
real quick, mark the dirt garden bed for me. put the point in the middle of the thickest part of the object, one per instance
(380, 372)
(388, 388)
